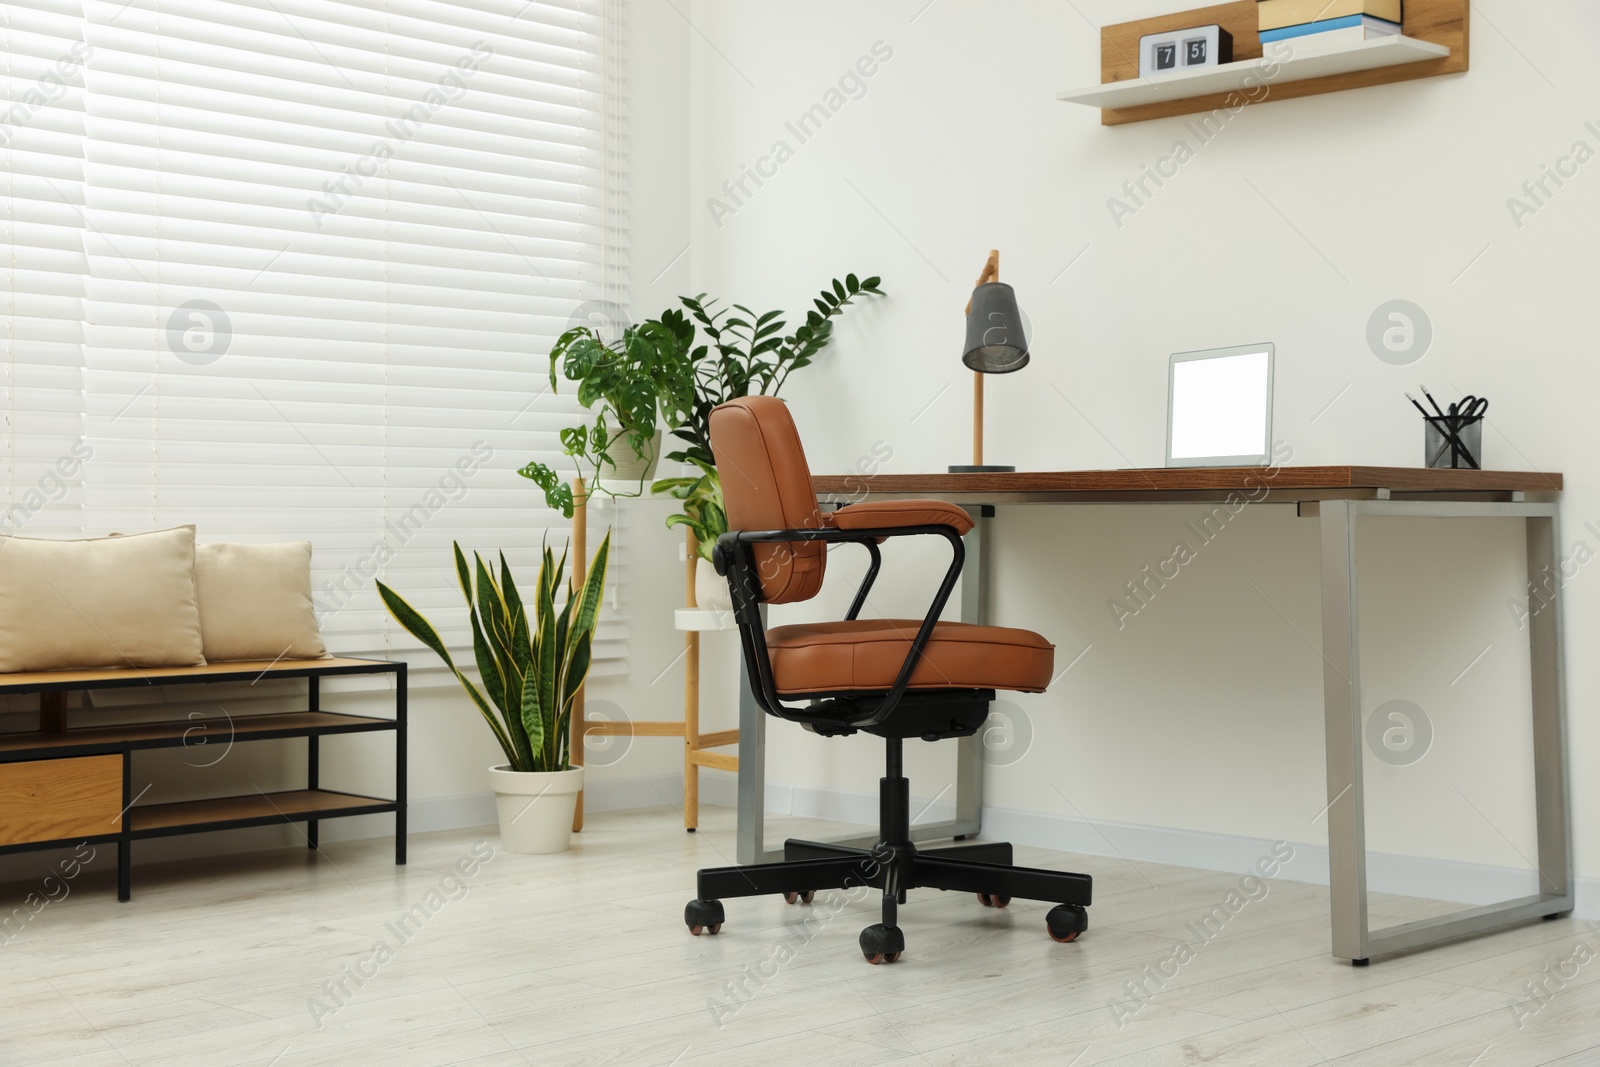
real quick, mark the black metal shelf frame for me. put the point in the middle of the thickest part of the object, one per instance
(57, 748)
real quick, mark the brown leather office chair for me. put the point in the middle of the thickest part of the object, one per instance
(896, 678)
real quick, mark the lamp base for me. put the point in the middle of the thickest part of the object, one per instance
(987, 468)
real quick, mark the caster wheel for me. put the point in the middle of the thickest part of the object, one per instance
(703, 916)
(1065, 922)
(882, 944)
(800, 898)
(993, 900)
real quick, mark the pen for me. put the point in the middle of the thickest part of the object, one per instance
(1434, 402)
(1451, 429)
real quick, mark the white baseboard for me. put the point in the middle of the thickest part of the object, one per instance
(1459, 881)
(1436, 879)
(1467, 883)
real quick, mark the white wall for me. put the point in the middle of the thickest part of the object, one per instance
(1293, 225)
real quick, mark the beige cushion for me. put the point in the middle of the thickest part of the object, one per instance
(106, 602)
(255, 602)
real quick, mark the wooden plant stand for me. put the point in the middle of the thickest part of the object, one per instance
(695, 744)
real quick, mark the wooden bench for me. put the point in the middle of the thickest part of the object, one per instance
(67, 783)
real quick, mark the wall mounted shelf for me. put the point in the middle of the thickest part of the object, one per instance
(1435, 41)
(1231, 77)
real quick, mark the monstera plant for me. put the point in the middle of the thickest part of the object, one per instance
(531, 658)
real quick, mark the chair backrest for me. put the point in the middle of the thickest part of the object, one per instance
(766, 485)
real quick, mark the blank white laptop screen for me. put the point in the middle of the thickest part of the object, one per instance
(1220, 407)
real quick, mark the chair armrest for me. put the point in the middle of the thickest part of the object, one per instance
(882, 514)
(734, 559)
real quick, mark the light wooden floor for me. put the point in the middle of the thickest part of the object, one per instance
(583, 959)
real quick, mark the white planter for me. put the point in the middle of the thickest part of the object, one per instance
(536, 808)
(631, 470)
(711, 589)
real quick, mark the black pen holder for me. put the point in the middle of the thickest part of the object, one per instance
(1452, 442)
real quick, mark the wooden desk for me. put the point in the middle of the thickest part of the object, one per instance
(1336, 497)
(1198, 483)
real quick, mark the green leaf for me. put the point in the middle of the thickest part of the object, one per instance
(578, 669)
(413, 622)
(593, 589)
(520, 648)
(497, 620)
(419, 627)
(838, 289)
(532, 715)
(463, 575)
(542, 674)
(494, 682)
(852, 283)
(557, 493)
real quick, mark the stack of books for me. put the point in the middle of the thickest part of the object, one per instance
(1324, 23)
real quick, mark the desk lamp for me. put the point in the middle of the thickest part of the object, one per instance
(995, 345)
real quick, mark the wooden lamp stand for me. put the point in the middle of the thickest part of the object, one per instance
(991, 273)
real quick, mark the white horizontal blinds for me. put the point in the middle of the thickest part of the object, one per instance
(329, 242)
(42, 450)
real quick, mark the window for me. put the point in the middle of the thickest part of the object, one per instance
(322, 248)
(42, 448)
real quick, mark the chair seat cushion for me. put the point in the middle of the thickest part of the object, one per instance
(867, 654)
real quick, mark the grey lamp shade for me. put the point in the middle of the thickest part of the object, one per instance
(995, 341)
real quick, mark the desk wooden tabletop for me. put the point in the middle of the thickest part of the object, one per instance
(1281, 483)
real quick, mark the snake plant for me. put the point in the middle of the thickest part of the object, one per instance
(531, 664)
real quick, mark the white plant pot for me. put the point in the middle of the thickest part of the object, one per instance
(631, 470)
(536, 808)
(710, 588)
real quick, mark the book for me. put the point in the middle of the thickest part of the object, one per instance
(1277, 14)
(1335, 31)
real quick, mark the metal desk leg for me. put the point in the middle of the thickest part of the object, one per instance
(1353, 938)
(974, 609)
(1341, 693)
(1551, 788)
(751, 833)
(752, 777)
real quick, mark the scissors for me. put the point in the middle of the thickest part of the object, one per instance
(1468, 408)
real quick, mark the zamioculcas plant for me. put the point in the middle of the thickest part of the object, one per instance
(532, 663)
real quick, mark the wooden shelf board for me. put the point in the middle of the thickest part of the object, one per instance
(260, 807)
(714, 761)
(1442, 23)
(194, 732)
(1308, 62)
(703, 619)
(123, 677)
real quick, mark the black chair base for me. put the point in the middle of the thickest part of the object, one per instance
(893, 867)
